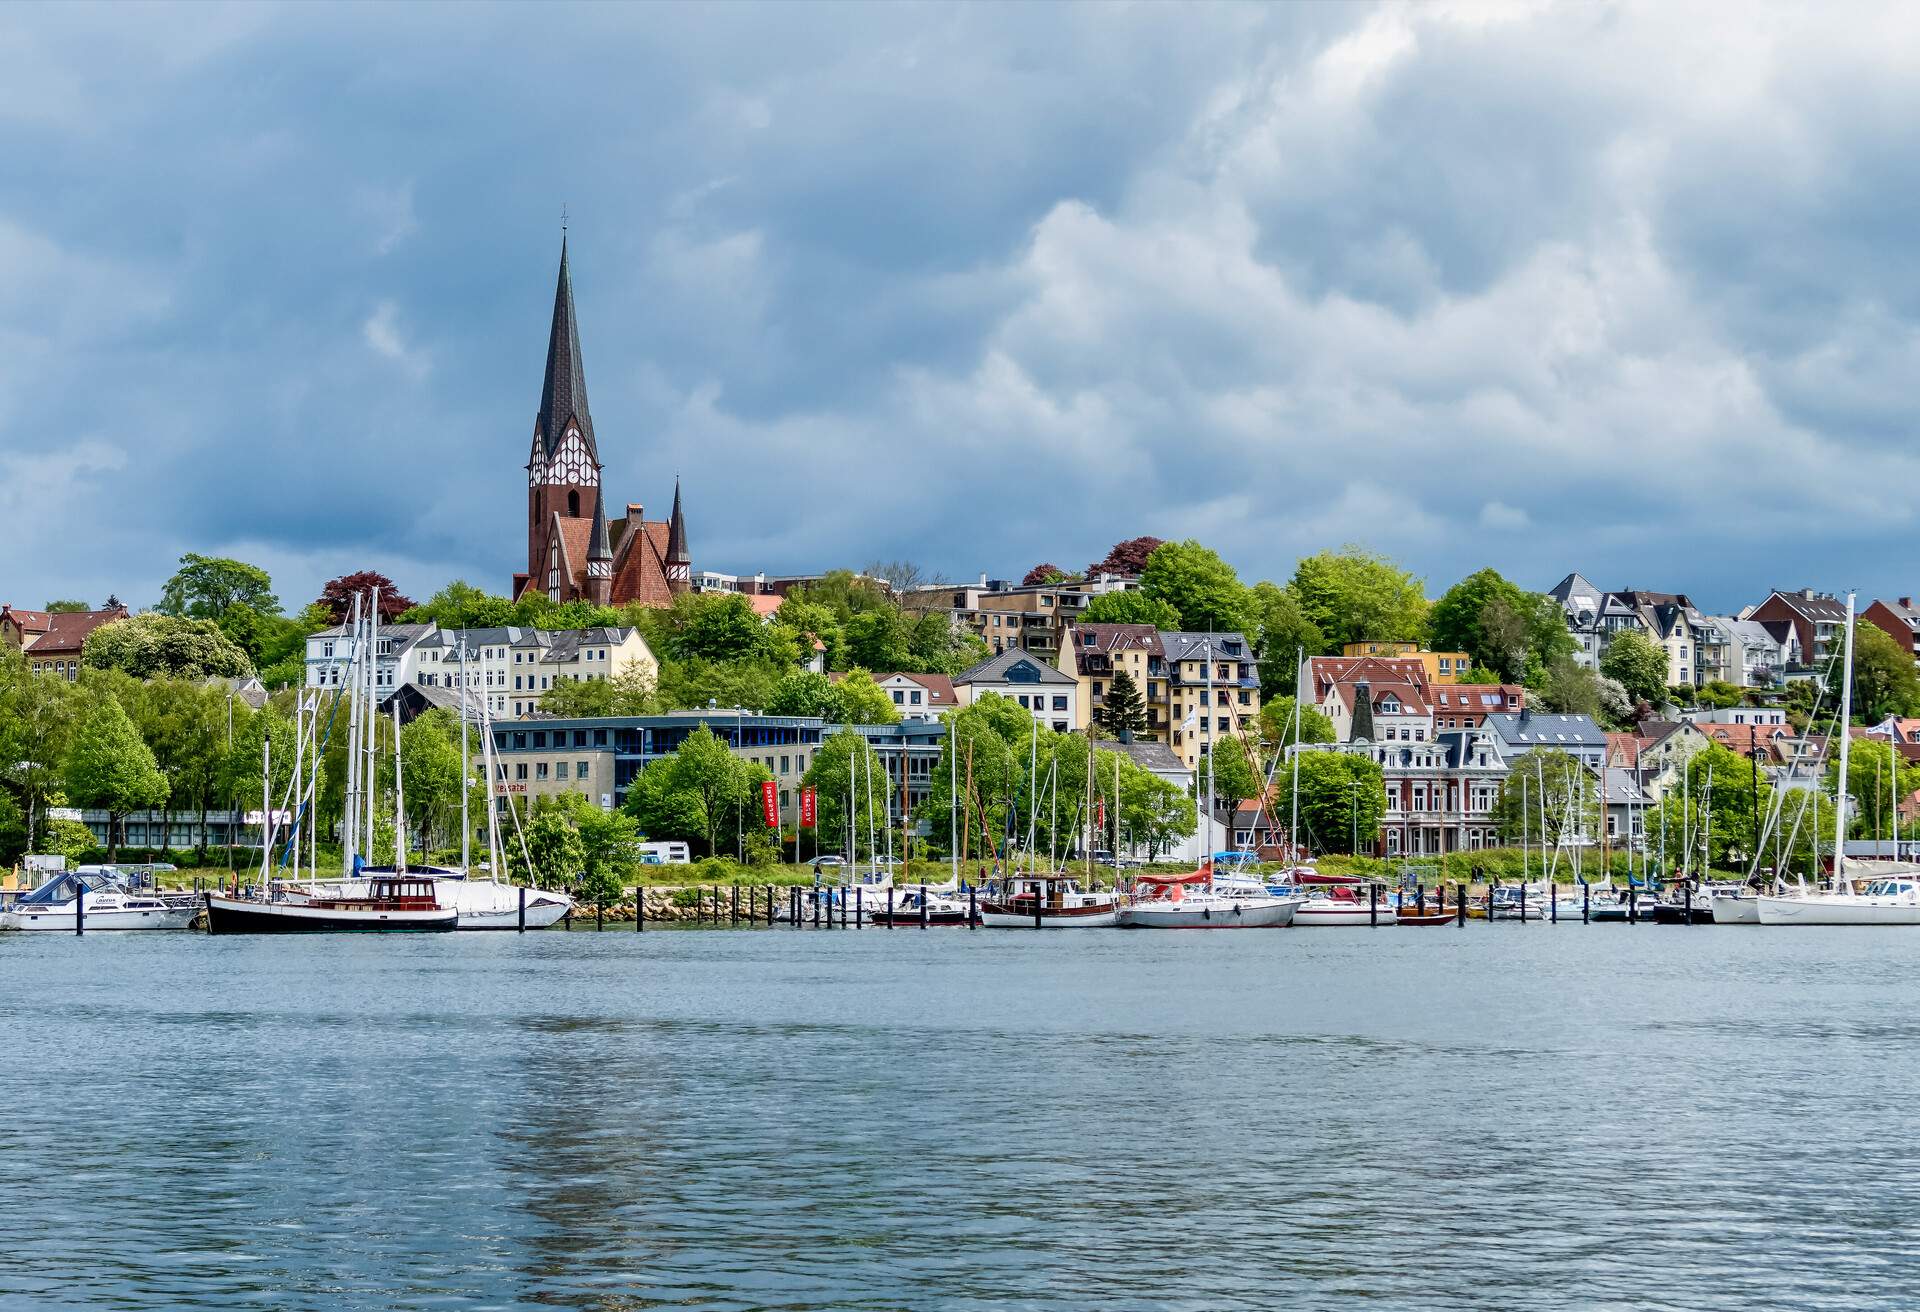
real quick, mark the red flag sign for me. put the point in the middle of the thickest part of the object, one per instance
(808, 813)
(770, 802)
(1100, 810)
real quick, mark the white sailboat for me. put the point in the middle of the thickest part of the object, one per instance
(1889, 896)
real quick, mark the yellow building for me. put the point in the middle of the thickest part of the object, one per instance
(1442, 666)
(1197, 687)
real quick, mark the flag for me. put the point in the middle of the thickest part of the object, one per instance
(770, 802)
(1100, 814)
(809, 814)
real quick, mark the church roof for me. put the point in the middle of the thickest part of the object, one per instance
(563, 393)
(597, 548)
(677, 532)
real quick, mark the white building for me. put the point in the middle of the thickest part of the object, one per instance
(1028, 680)
(513, 667)
(398, 661)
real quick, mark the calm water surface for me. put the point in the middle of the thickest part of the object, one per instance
(1490, 1117)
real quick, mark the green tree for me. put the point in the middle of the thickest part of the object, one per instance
(1567, 810)
(205, 586)
(1515, 633)
(1709, 819)
(844, 765)
(699, 683)
(713, 626)
(66, 607)
(165, 646)
(553, 848)
(1356, 596)
(460, 605)
(1885, 681)
(1342, 794)
(608, 847)
(803, 692)
(1199, 585)
(111, 768)
(1876, 775)
(183, 722)
(1283, 634)
(805, 623)
(697, 792)
(1132, 607)
(861, 701)
(629, 692)
(1234, 774)
(1124, 711)
(430, 758)
(1638, 664)
(1279, 732)
(877, 640)
(977, 756)
(37, 717)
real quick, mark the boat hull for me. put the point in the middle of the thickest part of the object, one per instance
(60, 920)
(1424, 918)
(1323, 916)
(1050, 918)
(228, 915)
(1736, 911)
(1837, 911)
(1248, 913)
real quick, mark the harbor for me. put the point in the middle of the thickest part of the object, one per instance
(959, 1120)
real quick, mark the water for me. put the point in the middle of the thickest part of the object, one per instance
(1490, 1117)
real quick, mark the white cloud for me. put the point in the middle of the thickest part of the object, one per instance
(381, 332)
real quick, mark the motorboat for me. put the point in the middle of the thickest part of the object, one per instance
(1887, 900)
(95, 900)
(1034, 901)
(390, 904)
(1200, 901)
(924, 904)
(1523, 902)
(1335, 905)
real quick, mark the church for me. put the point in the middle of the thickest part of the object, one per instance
(574, 552)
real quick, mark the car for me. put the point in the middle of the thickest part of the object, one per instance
(827, 862)
(885, 863)
(1104, 858)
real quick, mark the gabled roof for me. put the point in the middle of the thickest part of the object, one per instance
(1412, 701)
(1182, 646)
(1903, 611)
(563, 392)
(1156, 758)
(1327, 671)
(29, 621)
(1529, 729)
(1820, 607)
(995, 670)
(67, 630)
(1477, 697)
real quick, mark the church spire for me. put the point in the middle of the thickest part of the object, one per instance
(679, 563)
(563, 393)
(597, 548)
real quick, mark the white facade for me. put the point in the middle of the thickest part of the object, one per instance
(398, 662)
(514, 667)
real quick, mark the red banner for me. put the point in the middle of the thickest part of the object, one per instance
(770, 803)
(1100, 812)
(808, 816)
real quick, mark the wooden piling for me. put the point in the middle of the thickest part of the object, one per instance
(1586, 904)
(1373, 903)
(1460, 903)
(923, 906)
(889, 906)
(639, 908)
(523, 908)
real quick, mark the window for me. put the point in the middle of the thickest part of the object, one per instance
(540, 738)
(1059, 703)
(560, 770)
(899, 698)
(783, 765)
(581, 769)
(540, 770)
(914, 697)
(519, 769)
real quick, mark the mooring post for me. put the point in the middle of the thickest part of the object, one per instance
(973, 909)
(889, 906)
(818, 893)
(1523, 901)
(1419, 897)
(923, 906)
(1686, 895)
(639, 908)
(860, 907)
(599, 915)
(523, 908)
(1489, 900)
(80, 910)
(1038, 906)
(1633, 905)
(1373, 903)
(1553, 903)
(1586, 904)
(1460, 903)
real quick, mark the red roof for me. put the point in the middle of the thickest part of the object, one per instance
(68, 630)
(29, 621)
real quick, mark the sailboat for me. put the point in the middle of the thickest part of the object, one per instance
(394, 903)
(1890, 896)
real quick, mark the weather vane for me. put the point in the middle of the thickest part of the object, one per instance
(563, 216)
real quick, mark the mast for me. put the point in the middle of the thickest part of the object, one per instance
(1091, 826)
(953, 801)
(399, 802)
(350, 808)
(1293, 816)
(1033, 791)
(1207, 855)
(371, 742)
(1524, 865)
(1840, 788)
(466, 773)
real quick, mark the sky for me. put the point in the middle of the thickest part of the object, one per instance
(1621, 288)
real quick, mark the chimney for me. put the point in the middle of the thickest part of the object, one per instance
(1807, 593)
(635, 512)
(1906, 603)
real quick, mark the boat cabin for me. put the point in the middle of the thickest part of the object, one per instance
(388, 893)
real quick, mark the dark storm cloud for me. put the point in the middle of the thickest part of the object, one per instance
(1608, 287)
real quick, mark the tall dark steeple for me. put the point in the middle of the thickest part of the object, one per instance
(679, 563)
(563, 469)
(563, 393)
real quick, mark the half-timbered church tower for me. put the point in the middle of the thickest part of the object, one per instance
(574, 552)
